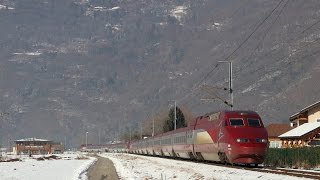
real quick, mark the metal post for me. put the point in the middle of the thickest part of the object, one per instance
(65, 142)
(130, 133)
(87, 140)
(152, 126)
(230, 83)
(175, 115)
(141, 131)
(99, 136)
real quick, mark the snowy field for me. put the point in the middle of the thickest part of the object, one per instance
(64, 167)
(134, 167)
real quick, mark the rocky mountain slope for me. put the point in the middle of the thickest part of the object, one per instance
(73, 66)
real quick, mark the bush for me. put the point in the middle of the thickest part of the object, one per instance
(305, 157)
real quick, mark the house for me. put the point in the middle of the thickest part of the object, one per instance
(306, 115)
(307, 134)
(306, 130)
(36, 146)
(274, 131)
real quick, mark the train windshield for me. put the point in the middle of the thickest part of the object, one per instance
(236, 122)
(254, 122)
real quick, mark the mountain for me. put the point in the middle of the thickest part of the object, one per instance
(68, 67)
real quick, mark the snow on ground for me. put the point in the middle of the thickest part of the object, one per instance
(67, 167)
(135, 167)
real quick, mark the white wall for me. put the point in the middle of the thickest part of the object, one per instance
(314, 115)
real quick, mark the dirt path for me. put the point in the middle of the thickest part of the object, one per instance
(103, 169)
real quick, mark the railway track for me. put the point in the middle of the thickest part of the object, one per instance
(289, 172)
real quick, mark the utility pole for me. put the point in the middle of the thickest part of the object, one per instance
(152, 126)
(141, 131)
(99, 136)
(87, 140)
(175, 115)
(230, 83)
(130, 133)
(65, 142)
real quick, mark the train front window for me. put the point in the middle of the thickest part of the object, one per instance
(254, 122)
(236, 122)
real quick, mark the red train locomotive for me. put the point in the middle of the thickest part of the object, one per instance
(227, 136)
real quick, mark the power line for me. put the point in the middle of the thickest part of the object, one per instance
(301, 48)
(265, 33)
(245, 40)
(317, 22)
(291, 39)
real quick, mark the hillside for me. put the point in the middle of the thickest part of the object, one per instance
(73, 66)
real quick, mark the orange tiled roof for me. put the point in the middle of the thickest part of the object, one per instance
(275, 130)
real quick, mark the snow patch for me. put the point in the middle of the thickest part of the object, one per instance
(179, 12)
(114, 8)
(29, 53)
(81, 172)
(214, 26)
(264, 78)
(135, 167)
(6, 7)
(68, 167)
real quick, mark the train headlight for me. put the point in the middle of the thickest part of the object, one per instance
(242, 140)
(261, 140)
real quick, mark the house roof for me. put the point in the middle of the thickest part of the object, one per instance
(32, 139)
(301, 130)
(275, 130)
(305, 109)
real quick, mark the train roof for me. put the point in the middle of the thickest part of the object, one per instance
(230, 112)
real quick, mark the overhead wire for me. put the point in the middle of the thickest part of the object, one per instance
(300, 48)
(242, 43)
(265, 34)
(317, 22)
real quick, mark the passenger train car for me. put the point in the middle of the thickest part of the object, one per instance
(236, 137)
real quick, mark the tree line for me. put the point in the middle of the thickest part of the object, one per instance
(161, 123)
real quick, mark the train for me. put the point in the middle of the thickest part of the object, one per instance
(233, 137)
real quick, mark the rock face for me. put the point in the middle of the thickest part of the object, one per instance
(68, 67)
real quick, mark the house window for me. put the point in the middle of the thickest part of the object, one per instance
(275, 144)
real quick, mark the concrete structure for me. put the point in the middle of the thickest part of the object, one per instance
(274, 131)
(37, 146)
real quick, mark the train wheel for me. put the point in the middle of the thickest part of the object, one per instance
(174, 155)
(223, 158)
(162, 154)
(200, 157)
(191, 156)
